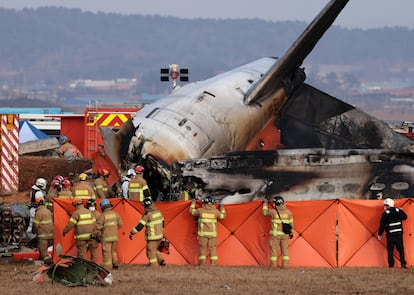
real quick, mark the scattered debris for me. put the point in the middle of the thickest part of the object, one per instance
(74, 271)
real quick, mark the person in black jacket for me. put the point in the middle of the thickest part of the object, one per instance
(391, 223)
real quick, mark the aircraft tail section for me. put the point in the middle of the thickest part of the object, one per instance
(285, 67)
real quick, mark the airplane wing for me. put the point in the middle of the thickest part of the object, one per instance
(286, 66)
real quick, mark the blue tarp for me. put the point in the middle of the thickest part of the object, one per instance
(28, 132)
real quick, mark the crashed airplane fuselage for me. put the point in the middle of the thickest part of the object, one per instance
(223, 114)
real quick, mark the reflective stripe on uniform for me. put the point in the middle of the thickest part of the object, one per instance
(46, 236)
(110, 239)
(395, 223)
(82, 194)
(152, 236)
(83, 236)
(46, 221)
(207, 218)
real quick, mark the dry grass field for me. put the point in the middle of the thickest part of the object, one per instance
(139, 279)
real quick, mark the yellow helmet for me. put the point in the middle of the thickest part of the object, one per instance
(83, 176)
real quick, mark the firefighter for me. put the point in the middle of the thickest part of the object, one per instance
(55, 186)
(391, 223)
(101, 187)
(153, 220)
(66, 192)
(207, 228)
(188, 192)
(38, 191)
(93, 242)
(106, 231)
(81, 189)
(43, 227)
(138, 188)
(278, 236)
(125, 183)
(54, 189)
(68, 150)
(84, 223)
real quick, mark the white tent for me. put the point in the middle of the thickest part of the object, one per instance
(28, 132)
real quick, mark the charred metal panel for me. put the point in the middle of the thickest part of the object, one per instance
(305, 174)
(314, 119)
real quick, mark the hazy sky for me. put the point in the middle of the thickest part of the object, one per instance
(357, 13)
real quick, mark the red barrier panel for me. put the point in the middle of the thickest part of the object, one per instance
(328, 233)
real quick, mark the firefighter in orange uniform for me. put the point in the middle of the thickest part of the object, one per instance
(43, 227)
(153, 220)
(84, 223)
(207, 228)
(137, 187)
(81, 189)
(101, 187)
(93, 242)
(278, 238)
(106, 231)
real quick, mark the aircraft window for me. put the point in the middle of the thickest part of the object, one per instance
(326, 188)
(351, 187)
(152, 113)
(188, 166)
(209, 93)
(201, 164)
(218, 164)
(297, 189)
(182, 122)
(400, 186)
(377, 186)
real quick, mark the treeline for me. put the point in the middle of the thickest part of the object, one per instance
(56, 45)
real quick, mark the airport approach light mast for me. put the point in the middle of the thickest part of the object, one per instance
(174, 72)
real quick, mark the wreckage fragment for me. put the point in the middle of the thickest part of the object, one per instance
(75, 271)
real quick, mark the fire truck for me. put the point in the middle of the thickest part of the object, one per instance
(83, 131)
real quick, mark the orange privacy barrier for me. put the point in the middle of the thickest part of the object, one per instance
(328, 233)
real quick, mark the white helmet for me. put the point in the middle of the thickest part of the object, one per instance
(389, 202)
(131, 172)
(41, 183)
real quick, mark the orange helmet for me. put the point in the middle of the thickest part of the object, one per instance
(139, 169)
(40, 200)
(103, 172)
(66, 183)
(56, 184)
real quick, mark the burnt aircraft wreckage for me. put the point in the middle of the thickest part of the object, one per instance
(200, 134)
